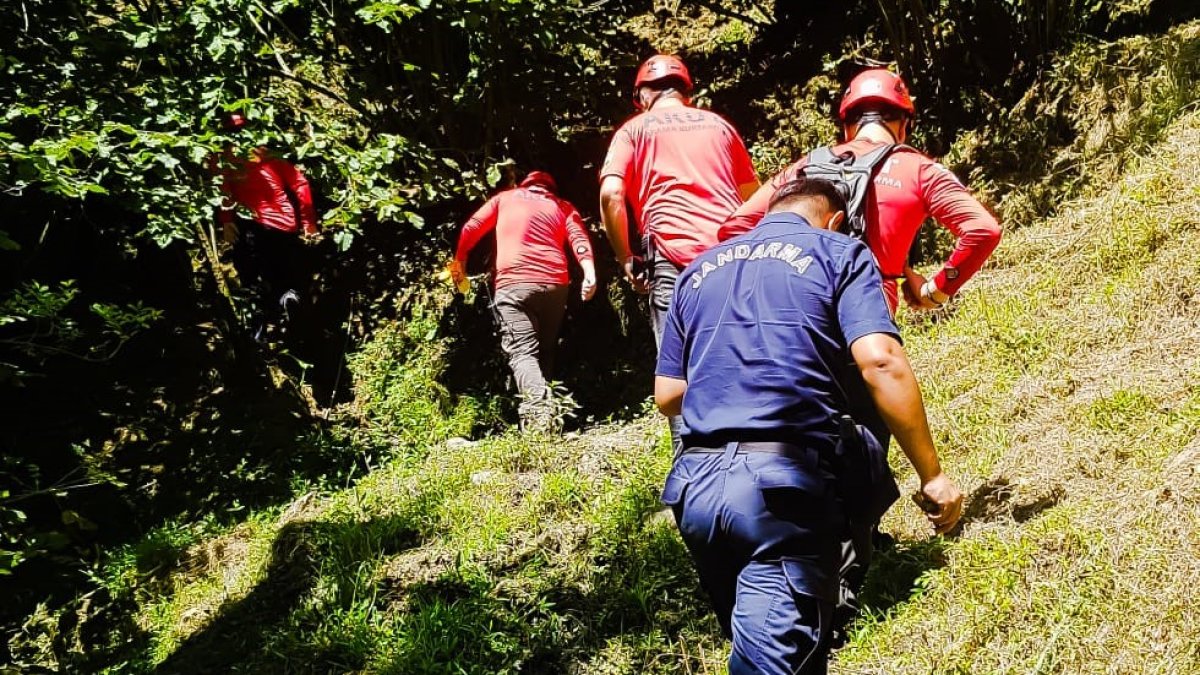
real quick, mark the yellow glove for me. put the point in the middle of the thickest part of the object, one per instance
(455, 275)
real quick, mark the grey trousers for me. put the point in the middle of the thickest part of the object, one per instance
(529, 316)
(663, 274)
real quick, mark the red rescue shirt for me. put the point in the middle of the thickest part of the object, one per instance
(682, 167)
(262, 184)
(532, 226)
(909, 187)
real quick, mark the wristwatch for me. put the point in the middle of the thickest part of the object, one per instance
(930, 290)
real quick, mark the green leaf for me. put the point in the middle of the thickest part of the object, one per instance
(343, 239)
(7, 244)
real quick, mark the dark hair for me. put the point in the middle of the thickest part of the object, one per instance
(799, 189)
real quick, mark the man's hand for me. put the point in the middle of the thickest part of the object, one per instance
(944, 501)
(312, 238)
(913, 283)
(230, 232)
(635, 274)
(588, 288)
(458, 273)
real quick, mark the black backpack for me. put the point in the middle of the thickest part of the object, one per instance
(854, 177)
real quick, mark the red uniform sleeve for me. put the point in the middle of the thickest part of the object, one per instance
(479, 224)
(577, 236)
(298, 185)
(953, 206)
(620, 155)
(748, 214)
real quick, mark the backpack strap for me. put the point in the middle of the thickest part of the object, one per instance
(874, 158)
(822, 155)
(854, 176)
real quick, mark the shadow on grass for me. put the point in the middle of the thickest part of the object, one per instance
(239, 637)
(634, 585)
(896, 570)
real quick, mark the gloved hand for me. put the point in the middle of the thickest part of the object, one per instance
(456, 275)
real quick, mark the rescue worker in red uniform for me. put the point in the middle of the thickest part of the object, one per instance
(683, 170)
(269, 252)
(533, 225)
(908, 188)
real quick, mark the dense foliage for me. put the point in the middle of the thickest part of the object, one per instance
(134, 395)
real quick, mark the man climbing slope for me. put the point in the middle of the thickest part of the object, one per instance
(532, 227)
(754, 359)
(683, 171)
(908, 187)
(268, 247)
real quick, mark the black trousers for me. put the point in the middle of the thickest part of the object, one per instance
(270, 263)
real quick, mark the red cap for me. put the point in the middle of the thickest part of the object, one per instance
(876, 85)
(540, 178)
(660, 67)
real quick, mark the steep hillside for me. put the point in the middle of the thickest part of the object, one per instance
(1065, 396)
(1065, 391)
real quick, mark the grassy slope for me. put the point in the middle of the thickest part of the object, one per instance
(1064, 394)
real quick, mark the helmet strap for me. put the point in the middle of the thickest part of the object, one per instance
(874, 117)
(658, 95)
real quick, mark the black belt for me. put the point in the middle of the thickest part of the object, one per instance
(807, 456)
(773, 447)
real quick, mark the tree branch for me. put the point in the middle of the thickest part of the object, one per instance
(719, 9)
(357, 107)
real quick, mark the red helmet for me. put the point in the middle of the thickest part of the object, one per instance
(879, 86)
(540, 178)
(660, 67)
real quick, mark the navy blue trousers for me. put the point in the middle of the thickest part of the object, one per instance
(764, 531)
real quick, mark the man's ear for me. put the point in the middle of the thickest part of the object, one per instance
(835, 223)
(641, 97)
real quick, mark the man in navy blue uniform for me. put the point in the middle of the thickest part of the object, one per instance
(765, 336)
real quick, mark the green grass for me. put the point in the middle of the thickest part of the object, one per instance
(1083, 543)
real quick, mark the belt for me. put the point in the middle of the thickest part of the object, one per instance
(808, 457)
(773, 447)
